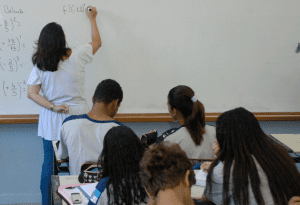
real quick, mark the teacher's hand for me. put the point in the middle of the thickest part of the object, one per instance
(91, 14)
(61, 108)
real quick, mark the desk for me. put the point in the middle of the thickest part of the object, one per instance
(290, 140)
(196, 191)
(61, 180)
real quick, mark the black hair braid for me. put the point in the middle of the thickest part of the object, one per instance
(119, 161)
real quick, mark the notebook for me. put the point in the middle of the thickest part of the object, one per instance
(201, 178)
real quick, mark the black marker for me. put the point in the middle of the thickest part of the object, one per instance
(89, 9)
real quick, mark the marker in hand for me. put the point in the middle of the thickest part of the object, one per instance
(89, 9)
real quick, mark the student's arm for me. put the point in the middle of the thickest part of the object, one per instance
(33, 94)
(96, 39)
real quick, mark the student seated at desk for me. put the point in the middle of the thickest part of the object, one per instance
(249, 169)
(119, 165)
(82, 135)
(167, 174)
(193, 136)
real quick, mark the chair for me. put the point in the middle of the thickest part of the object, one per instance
(87, 165)
(60, 166)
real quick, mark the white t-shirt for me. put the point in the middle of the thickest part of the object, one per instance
(186, 143)
(66, 85)
(216, 195)
(82, 140)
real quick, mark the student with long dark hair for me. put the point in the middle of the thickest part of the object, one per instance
(59, 73)
(119, 165)
(194, 136)
(249, 169)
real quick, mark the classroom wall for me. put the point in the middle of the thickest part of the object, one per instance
(21, 156)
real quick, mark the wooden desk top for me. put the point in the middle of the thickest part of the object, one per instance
(290, 140)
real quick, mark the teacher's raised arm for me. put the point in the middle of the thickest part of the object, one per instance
(96, 43)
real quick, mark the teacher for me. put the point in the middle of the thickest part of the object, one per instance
(59, 73)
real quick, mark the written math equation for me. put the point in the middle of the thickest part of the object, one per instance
(13, 43)
(14, 90)
(10, 24)
(12, 64)
(72, 9)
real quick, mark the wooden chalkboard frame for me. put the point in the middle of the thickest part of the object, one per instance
(158, 117)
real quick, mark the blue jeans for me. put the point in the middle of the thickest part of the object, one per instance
(47, 171)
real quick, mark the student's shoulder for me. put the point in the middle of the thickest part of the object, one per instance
(73, 118)
(174, 134)
(115, 123)
(111, 122)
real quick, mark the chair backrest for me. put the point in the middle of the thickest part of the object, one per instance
(60, 166)
(87, 165)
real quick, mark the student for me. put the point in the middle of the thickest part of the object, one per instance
(59, 73)
(119, 165)
(167, 174)
(82, 135)
(193, 136)
(249, 169)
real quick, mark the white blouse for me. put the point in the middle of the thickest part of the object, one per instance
(193, 151)
(82, 140)
(66, 85)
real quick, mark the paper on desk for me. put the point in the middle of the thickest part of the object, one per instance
(201, 178)
(88, 189)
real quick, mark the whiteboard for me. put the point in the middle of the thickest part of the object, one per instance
(230, 52)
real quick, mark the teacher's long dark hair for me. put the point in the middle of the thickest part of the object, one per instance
(240, 137)
(179, 98)
(119, 160)
(51, 47)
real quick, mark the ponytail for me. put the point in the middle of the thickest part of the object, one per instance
(195, 123)
(180, 98)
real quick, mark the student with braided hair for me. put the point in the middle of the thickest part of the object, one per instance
(119, 166)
